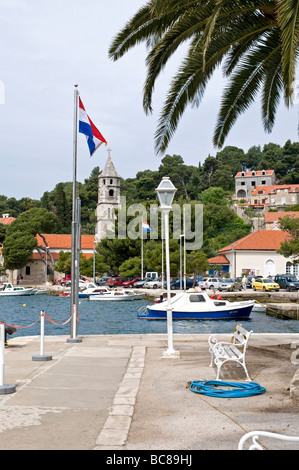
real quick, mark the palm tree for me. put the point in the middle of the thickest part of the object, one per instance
(254, 41)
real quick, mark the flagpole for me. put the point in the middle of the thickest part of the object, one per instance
(141, 252)
(74, 294)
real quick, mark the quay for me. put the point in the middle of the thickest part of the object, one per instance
(119, 393)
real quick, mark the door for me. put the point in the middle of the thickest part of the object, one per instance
(270, 268)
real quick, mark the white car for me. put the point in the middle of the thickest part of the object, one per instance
(153, 284)
(210, 283)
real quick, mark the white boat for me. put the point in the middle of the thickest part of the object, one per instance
(117, 295)
(10, 289)
(92, 289)
(193, 305)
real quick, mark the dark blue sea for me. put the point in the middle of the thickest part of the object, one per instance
(97, 318)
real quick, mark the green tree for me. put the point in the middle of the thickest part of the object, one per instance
(197, 263)
(256, 42)
(131, 267)
(290, 247)
(20, 238)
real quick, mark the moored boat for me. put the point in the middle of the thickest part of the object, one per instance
(10, 289)
(198, 306)
(92, 289)
(117, 295)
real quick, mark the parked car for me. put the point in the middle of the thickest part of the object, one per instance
(176, 284)
(210, 283)
(250, 279)
(66, 280)
(265, 284)
(287, 281)
(132, 282)
(152, 275)
(102, 281)
(231, 284)
(153, 283)
(142, 282)
(114, 281)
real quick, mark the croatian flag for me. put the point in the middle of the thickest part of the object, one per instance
(86, 126)
(145, 227)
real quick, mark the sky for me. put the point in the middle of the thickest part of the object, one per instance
(45, 49)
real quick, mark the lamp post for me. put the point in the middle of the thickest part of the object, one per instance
(165, 192)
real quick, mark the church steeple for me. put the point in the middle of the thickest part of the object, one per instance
(108, 199)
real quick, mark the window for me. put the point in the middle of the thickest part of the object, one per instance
(197, 298)
(242, 183)
(252, 183)
(263, 181)
(111, 192)
(111, 181)
(27, 271)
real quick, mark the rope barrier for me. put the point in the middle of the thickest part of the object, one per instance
(47, 317)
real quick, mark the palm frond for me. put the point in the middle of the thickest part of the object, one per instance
(288, 20)
(242, 90)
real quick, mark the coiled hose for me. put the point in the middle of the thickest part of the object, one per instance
(238, 390)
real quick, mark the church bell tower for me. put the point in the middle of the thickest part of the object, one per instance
(108, 199)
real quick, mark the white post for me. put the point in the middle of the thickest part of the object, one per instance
(42, 332)
(74, 321)
(2, 342)
(42, 356)
(170, 352)
(4, 389)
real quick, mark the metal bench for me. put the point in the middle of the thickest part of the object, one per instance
(254, 435)
(234, 351)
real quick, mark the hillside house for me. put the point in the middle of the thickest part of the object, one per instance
(247, 181)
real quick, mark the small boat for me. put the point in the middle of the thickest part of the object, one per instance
(92, 289)
(40, 291)
(10, 289)
(117, 295)
(193, 305)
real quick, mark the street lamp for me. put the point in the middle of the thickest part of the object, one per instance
(165, 192)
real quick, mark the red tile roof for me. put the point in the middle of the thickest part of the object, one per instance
(257, 173)
(258, 241)
(6, 220)
(275, 216)
(272, 189)
(64, 241)
(221, 259)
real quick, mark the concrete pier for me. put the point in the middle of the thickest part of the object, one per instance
(118, 392)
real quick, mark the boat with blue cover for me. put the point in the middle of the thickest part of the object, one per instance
(193, 305)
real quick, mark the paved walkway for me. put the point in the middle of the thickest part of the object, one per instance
(120, 393)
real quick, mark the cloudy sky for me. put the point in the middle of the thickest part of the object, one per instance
(46, 48)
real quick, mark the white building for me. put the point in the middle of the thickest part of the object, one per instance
(256, 254)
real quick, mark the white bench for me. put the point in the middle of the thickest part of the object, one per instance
(255, 435)
(235, 350)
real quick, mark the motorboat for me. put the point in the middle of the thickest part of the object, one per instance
(10, 289)
(193, 305)
(92, 289)
(117, 295)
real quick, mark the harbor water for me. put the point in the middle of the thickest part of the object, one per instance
(96, 318)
